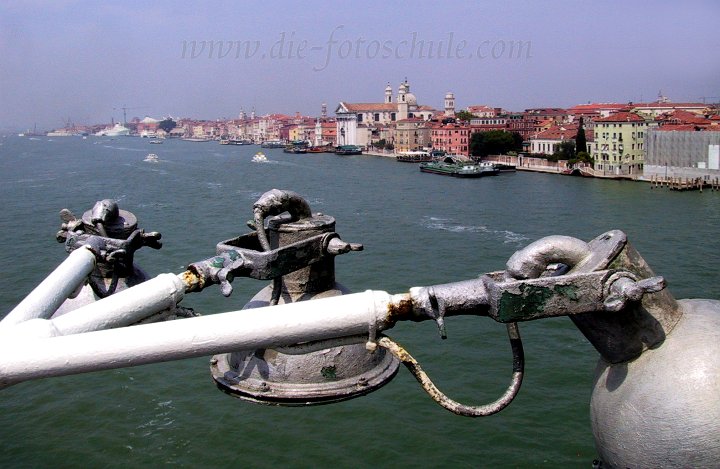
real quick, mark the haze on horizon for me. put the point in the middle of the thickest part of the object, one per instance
(84, 61)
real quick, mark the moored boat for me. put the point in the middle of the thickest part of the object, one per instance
(298, 146)
(450, 166)
(233, 141)
(321, 149)
(413, 157)
(348, 150)
(273, 144)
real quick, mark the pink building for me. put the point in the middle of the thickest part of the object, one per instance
(453, 138)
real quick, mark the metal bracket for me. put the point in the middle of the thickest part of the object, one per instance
(243, 257)
(508, 301)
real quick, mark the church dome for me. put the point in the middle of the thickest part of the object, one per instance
(411, 99)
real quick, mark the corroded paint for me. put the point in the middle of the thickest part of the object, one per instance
(400, 310)
(529, 302)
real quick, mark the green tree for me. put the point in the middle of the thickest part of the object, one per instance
(564, 151)
(580, 140)
(167, 124)
(494, 142)
(464, 115)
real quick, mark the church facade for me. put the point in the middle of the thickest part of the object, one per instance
(358, 123)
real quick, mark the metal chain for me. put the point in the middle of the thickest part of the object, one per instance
(453, 406)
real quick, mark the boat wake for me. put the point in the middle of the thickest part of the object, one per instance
(123, 148)
(446, 224)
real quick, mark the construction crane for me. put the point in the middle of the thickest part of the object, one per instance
(715, 98)
(125, 109)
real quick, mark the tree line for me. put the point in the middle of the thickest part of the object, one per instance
(500, 142)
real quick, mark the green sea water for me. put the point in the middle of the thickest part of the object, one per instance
(417, 229)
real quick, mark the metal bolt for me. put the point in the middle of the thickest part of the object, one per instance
(625, 289)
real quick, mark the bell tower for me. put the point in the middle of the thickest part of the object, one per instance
(402, 100)
(449, 104)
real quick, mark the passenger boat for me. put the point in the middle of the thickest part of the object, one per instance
(197, 140)
(273, 144)
(413, 157)
(260, 158)
(231, 141)
(451, 166)
(299, 146)
(348, 150)
(321, 149)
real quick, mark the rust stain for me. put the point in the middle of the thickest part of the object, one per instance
(192, 281)
(401, 310)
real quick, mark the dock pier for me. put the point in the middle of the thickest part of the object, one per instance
(684, 184)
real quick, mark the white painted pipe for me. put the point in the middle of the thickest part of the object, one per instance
(341, 316)
(125, 307)
(47, 297)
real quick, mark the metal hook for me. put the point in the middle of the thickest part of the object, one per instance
(453, 406)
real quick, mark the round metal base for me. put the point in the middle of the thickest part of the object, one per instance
(331, 375)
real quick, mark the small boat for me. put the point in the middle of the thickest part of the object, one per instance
(348, 150)
(505, 168)
(152, 158)
(199, 140)
(452, 166)
(156, 141)
(232, 141)
(273, 144)
(260, 158)
(321, 149)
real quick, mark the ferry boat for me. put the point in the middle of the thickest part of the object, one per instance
(455, 167)
(348, 150)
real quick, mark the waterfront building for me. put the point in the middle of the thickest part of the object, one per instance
(325, 132)
(676, 151)
(451, 137)
(619, 146)
(412, 134)
(148, 127)
(548, 141)
(359, 123)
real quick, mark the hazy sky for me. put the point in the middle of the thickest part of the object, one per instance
(83, 60)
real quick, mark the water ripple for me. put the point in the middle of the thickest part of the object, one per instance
(447, 224)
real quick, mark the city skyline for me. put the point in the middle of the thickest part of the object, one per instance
(85, 62)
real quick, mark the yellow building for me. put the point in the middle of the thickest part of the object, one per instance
(619, 146)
